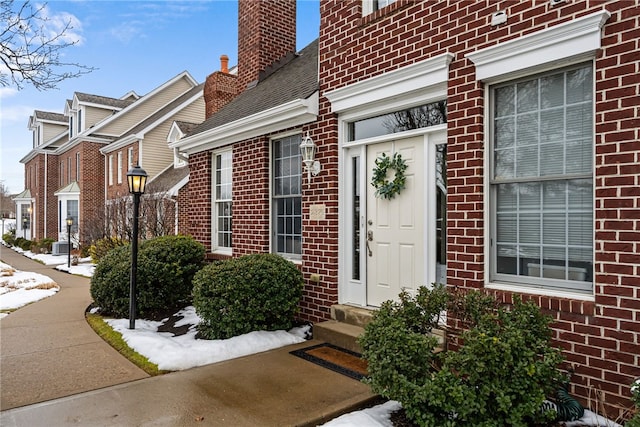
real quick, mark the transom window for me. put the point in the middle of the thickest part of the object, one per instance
(542, 180)
(223, 198)
(399, 121)
(287, 197)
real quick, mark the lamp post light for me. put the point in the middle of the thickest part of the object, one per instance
(69, 224)
(137, 179)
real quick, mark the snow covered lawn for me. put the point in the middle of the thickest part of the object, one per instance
(19, 288)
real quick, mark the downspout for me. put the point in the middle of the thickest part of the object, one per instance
(181, 156)
(177, 215)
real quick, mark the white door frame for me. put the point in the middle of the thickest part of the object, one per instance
(354, 291)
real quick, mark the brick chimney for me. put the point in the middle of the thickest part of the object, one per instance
(219, 88)
(266, 33)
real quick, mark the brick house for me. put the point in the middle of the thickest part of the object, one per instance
(518, 122)
(80, 160)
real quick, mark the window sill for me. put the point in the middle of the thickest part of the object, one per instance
(530, 289)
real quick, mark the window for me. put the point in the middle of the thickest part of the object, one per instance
(399, 121)
(69, 170)
(78, 166)
(79, 121)
(222, 178)
(71, 127)
(111, 169)
(129, 158)
(287, 200)
(71, 211)
(119, 167)
(542, 180)
(370, 6)
(61, 178)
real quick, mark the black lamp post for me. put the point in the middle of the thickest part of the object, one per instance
(69, 224)
(24, 227)
(137, 179)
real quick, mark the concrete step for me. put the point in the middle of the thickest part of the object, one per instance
(356, 316)
(340, 334)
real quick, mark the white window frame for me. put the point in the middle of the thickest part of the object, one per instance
(370, 6)
(119, 167)
(110, 161)
(296, 257)
(226, 250)
(130, 158)
(555, 47)
(77, 166)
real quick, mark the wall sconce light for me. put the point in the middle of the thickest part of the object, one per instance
(308, 150)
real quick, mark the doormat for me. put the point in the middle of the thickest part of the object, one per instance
(337, 359)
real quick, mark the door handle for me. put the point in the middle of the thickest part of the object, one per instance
(369, 239)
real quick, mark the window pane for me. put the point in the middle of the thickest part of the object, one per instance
(552, 91)
(527, 95)
(399, 121)
(223, 194)
(287, 204)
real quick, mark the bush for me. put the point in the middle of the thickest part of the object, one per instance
(24, 244)
(635, 398)
(10, 237)
(250, 293)
(42, 246)
(166, 266)
(500, 375)
(100, 248)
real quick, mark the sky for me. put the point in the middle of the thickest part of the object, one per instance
(135, 45)
(175, 353)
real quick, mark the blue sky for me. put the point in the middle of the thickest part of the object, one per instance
(135, 45)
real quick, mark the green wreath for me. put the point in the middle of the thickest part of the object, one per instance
(385, 188)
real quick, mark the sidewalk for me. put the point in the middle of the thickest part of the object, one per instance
(48, 351)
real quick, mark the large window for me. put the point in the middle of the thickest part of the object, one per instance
(67, 208)
(111, 169)
(222, 177)
(287, 199)
(542, 180)
(119, 167)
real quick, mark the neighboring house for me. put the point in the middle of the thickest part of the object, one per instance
(520, 130)
(36, 206)
(103, 138)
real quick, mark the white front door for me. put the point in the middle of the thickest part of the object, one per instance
(395, 249)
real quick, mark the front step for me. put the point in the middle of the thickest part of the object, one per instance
(338, 333)
(346, 325)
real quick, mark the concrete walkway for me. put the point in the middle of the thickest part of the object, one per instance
(48, 351)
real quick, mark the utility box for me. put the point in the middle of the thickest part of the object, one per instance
(60, 248)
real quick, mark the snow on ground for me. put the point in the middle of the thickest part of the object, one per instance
(19, 288)
(171, 352)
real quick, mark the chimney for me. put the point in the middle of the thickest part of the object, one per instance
(266, 33)
(224, 64)
(219, 88)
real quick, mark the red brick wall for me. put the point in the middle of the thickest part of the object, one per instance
(183, 210)
(250, 225)
(199, 203)
(43, 180)
(92, 182)
(602, 338)
(266, 33)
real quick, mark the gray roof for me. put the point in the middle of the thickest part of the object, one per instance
(103, 100)
(297, 79)
(48, 115)
(164, 110)
(166, 180)
(186, 127)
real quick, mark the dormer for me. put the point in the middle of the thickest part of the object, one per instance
(178, 130)
(85, 110)
(46, 125)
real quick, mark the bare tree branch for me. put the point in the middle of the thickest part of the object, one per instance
(31, 48)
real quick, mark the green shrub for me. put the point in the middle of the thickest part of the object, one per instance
(166, 266)
(100, 248)
(250, 293)
(24, 244)
(10, 237)
(42, 245)
(500, 375)
(635, 398)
